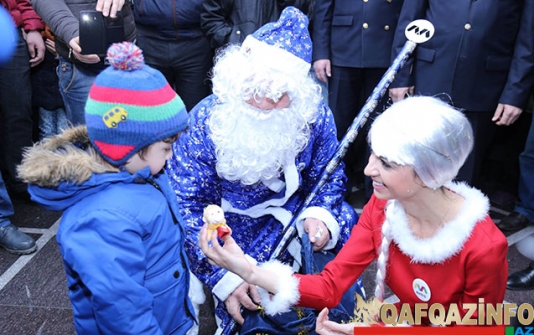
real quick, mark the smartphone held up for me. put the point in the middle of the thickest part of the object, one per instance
(98, 32)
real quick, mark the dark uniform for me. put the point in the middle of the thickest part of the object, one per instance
(479, 56)
(356, 36)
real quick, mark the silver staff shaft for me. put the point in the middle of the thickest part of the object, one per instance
(353, 131)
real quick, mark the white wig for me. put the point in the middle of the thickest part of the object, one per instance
(425, 133)
(241, 76)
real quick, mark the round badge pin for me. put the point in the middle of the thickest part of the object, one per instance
(419, 31)
(421, 289)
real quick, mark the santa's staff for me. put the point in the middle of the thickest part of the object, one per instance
(418, 31)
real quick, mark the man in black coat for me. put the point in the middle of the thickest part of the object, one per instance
(480, 59)
(351, 51)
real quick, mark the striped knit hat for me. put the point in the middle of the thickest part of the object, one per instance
(131, 106)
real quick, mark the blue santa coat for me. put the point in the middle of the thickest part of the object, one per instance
(256, 213)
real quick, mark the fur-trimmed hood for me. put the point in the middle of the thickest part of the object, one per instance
(68, 157)
(64, 169)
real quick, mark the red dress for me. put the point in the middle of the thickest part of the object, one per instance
(464, 261)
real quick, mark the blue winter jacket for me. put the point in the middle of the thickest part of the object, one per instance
(122, 242)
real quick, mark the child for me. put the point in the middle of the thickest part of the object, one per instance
(432, 238)
(46, 97)
(121, 235)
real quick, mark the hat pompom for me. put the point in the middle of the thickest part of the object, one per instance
(125, 56)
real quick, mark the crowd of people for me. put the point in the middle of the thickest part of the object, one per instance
(223, 102)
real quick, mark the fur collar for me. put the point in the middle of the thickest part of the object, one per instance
(450, 240)
(68, 156)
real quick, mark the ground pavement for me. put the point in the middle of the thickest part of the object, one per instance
(33, 288)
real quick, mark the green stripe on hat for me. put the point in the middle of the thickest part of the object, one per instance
(139, 113)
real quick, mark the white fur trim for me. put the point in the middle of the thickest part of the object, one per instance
(196, 290)
(287, 286)
(274, 184)
(270, 53)
(229, 282)
(197, 297)
(450, 239)
(272, 206)
(325, 216)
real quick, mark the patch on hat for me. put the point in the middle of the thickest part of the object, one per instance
(114, 116)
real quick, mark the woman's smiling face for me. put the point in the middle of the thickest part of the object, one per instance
(390, 180)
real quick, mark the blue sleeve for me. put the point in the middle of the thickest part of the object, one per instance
(322, 24)
(194, 179)
(521, 75)
(330, 196)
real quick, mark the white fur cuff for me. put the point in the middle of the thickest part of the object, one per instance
(287, 287)
(325, 216)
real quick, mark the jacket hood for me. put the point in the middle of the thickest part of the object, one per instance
(62, 170)
(68, 156)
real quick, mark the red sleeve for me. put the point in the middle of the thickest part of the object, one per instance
(30, 19)
(486, 266)
(327, 288)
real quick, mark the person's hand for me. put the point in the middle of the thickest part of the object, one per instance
(229, 256)
(51, 46)
(318, 232)
(326, 327)
(77, 51)
(36, 47)
(245, 295)
(505, 114)
(109, 7)
(322, 69)
(399, 93)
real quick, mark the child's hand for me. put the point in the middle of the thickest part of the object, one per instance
(51, 46)
(229, 256)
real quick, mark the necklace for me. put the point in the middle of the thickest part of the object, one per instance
(451, 198)
(446, 212)
(437, 227)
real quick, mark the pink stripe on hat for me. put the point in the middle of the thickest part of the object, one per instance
(131, 97)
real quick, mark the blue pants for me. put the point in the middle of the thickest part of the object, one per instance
(525, 206)
(75, 81)
(51, 122)
(16, 124)
(6, 207)
(185, 63)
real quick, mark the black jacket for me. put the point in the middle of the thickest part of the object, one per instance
(481, 54)
(230, 21)
(168, 20)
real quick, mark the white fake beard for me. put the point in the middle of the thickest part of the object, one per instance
(254, 145)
